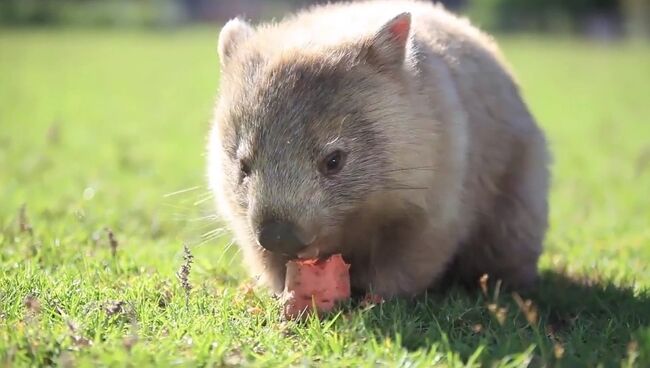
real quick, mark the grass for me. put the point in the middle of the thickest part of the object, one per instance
(99, 129)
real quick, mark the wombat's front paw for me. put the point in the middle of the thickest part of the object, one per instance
(268, 270)
(390, 283)
(274, 280)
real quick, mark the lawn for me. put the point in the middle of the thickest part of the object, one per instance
(106, 130)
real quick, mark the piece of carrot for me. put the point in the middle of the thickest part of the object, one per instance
(311, 282)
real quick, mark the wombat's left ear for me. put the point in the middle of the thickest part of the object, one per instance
(387, 48)
(232, 34)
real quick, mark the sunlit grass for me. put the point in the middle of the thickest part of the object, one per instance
(106, 129)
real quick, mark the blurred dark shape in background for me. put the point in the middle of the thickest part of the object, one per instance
(595, 18)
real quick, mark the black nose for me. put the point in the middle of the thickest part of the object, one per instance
(279, 237)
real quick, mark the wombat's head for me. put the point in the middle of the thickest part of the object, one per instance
(300, 137)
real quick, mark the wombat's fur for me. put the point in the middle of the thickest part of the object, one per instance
(446, 168)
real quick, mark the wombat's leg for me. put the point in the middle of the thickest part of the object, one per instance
(266, 268)
(410, 266)
(508, 243)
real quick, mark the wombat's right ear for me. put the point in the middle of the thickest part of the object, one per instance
(387, 48)
(231, 35)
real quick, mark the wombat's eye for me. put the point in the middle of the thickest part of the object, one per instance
(333, 163)
(244, 169)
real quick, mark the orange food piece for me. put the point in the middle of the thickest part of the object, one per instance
(311, 282)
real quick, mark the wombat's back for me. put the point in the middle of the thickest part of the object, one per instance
(334, 24)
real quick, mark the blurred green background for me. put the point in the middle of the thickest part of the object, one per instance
(601, 18)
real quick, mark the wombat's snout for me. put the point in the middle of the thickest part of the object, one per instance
(279, 237)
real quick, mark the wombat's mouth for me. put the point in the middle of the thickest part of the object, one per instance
(303, 243)
(311, 251)
(318, 247)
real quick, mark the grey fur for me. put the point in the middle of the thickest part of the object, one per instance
(446, 166)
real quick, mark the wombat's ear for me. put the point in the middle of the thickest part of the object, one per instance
(387, 48)
(232, 34)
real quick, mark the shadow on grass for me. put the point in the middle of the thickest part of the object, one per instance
(581, 321)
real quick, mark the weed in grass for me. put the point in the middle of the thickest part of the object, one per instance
(112, 242)
(32, 305)
(632, 353)
(527, 308)
(129, 341)
(24, 226)
(558, 351)
(78, 340)
(183, 273)
(53, 136)
(115, 308)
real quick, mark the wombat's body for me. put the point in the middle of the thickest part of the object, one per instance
(390, 132)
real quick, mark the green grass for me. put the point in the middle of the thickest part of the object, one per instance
(97, 127)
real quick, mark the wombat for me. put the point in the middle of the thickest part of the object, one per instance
(391, 132)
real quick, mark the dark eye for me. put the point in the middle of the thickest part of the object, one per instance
(245, 169)
(333, 163)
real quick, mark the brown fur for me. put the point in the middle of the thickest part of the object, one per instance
(446, 165)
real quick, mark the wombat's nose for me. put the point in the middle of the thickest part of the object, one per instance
(279, 237)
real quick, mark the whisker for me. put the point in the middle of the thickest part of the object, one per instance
(213, 232)
(405, 188)
(232, 259)
(425, 168)
(207, 240)
(225, 250)
(202, 200)
(210, 239)
(208, 220)
(202, 218)
(181, 191)
(189, 218)
(179, 207)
